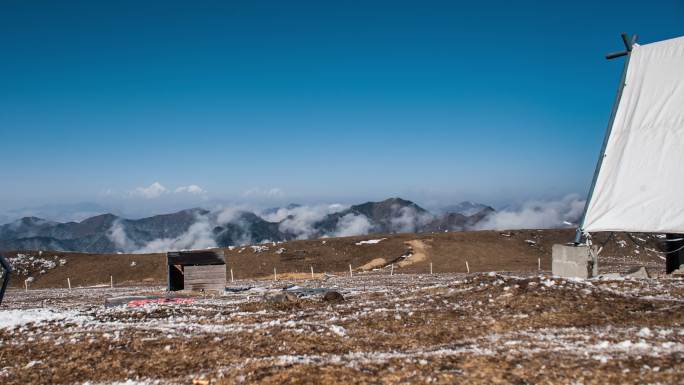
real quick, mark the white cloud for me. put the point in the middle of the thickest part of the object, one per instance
(536, 215)
(257, 192)
(198, 236)
(190, 189)
(352, 224)
(229, 214)
(117, 234)
(408, 220)
(299, 220)
(155, 190)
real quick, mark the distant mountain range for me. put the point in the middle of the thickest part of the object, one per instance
(199, 228)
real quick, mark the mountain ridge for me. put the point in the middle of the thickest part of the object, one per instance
(201, 228)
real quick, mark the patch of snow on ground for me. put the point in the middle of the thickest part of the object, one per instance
(370, 242)
(12, 318)
(24, 264)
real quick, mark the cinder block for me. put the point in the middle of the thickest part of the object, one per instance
(572, 261)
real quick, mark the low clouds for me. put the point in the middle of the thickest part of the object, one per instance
(352, 224)
(536, 215)
(117, 234)
(409, 220)
(240, 224)
(300, 220)
(198, 236)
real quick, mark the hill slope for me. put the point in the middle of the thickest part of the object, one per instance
(447, 252)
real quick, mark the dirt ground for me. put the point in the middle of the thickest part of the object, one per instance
(520, 250)
(390, 329)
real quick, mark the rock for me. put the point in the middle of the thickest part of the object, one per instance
(282, 297)
(637, 272)
(609, 276)
(333, 296)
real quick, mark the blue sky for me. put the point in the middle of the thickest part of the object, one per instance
(309, 101)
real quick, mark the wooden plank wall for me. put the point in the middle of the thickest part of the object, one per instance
(202, 257)
(207, 277)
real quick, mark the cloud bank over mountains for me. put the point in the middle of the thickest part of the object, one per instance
(536, 215)
(239, 225)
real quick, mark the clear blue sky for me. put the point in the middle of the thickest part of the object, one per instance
(488, 100)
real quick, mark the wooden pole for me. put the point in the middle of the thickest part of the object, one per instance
(350, 271)
(275, 274)
(430, 268)
(539, 263)
(111, 281)
(392, 269)
(69, 283)
(231, 275)
(26, 284)
(312, 275)
(467, 267)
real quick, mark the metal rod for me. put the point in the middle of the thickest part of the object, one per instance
(6, 276)
(625, 40)
(614, 55)
(602, 154)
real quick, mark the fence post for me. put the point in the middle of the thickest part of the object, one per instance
(467, 267)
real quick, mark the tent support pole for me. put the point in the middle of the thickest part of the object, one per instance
(627, 52)
(6, 276)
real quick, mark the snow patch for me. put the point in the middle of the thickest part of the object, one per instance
(370, 242)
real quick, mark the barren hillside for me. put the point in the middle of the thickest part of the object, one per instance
(519, 250)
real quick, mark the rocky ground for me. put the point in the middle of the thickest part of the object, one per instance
(404, 328)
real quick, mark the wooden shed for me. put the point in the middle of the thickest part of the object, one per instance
(196, 270)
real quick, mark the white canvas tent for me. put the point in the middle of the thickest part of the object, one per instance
(639, 181)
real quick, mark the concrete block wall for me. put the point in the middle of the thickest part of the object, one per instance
(573, 261)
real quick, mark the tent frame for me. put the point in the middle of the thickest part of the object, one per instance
(629, 43)
(6, 276)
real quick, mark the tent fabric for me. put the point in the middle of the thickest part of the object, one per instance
(640, 184)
